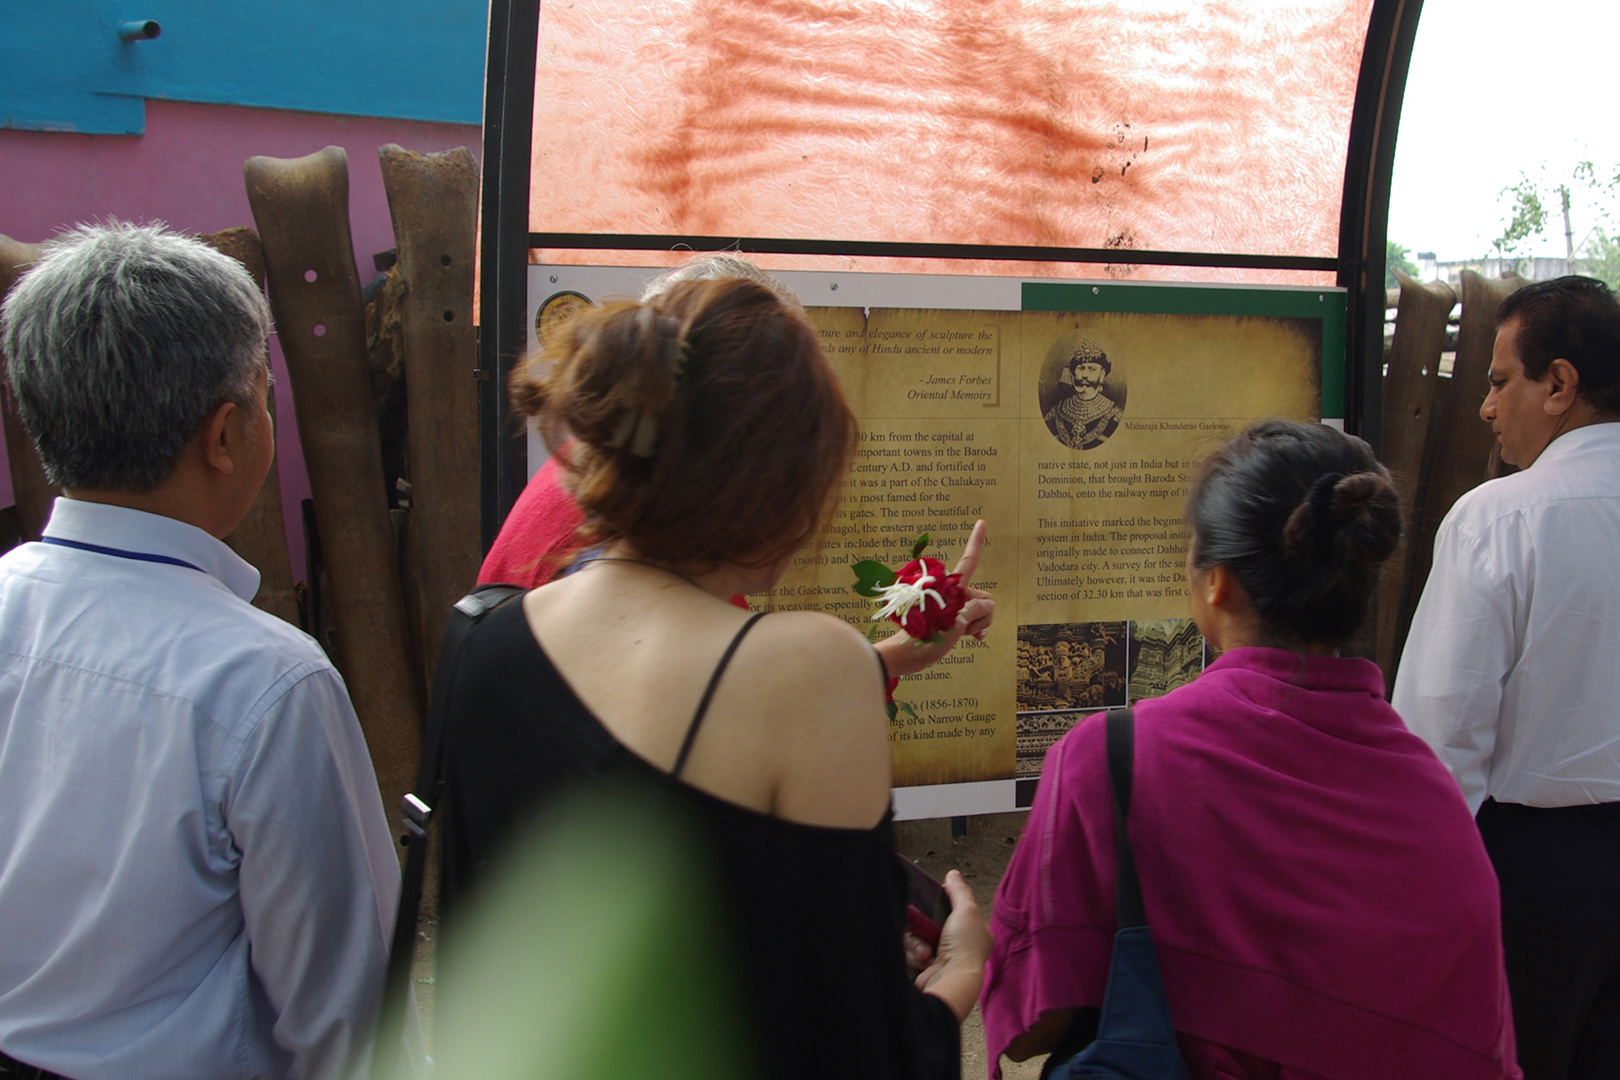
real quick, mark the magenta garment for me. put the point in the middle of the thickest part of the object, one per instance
(1317, 889)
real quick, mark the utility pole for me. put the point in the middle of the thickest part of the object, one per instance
(1569, 234)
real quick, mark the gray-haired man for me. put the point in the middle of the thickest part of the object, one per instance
(196, 876)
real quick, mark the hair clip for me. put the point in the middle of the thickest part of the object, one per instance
(676, 349)
(645, 442)
(627, 424)
(638, 428)
(683, 353)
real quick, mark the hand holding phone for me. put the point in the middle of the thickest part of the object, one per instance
(957, 972)
(927, 903)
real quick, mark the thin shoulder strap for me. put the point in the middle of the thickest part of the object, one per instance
(708, 693)
(1121, 733)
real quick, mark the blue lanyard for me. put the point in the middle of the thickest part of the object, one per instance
(140, 556)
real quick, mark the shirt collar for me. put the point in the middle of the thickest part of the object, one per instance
(1604, 433)
(152, 534)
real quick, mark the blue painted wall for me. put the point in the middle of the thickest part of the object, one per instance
(64, 68)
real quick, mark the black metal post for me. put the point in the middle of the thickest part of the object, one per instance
(514, 28)
(1364, 217)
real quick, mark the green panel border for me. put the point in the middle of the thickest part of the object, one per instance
(1329, 305)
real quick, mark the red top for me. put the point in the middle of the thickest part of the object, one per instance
(538, 538)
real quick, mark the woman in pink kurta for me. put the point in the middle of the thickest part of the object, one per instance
(1321, 902)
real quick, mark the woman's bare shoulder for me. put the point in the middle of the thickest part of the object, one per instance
(810, 651)
(817, 634)
(826, 722)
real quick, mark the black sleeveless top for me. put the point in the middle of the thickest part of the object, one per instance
(813, 915)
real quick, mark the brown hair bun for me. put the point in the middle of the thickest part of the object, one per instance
(708, 427)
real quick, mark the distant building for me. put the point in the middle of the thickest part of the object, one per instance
(1450, 271)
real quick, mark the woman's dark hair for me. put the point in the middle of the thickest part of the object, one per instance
(707, 425)
(1304, 515)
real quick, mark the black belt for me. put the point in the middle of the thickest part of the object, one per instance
(1578, 810)
(12, 1069)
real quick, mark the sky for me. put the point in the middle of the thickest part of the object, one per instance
(1497, 88)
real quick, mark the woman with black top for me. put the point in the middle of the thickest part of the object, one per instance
(709, 440)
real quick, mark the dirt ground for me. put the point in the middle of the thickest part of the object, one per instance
(981, 855)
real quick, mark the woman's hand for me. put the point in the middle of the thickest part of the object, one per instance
(957, 972)
(919, 954)
(904, 655)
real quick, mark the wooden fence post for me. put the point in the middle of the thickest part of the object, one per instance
(302, 210)
(433, 200)
(1410, 386)
(261, 538)
(28, 484)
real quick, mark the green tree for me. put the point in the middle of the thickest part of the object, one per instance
(1527, 221)
(1600, 257)
(1395, 258)
(1538, 204)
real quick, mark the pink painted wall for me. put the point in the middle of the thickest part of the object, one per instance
(187, 171)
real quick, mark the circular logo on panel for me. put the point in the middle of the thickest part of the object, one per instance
(554, 314)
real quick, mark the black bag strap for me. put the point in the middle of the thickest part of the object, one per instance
(1131, 1036)
(1121, 735)
(387, 1053)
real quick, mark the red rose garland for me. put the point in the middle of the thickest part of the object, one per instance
(922, 599)
(938, 599)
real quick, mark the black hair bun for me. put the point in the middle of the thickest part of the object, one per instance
(1304, 514)
(1355, 517)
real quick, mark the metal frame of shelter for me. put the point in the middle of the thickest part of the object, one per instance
(508, 122)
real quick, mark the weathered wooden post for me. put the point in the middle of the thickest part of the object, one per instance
(1464, 441)
(433, 199)
(302, 210)
(28, 484)
(261, 538)
(1410, 386)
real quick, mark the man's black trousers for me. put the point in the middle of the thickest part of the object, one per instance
(1559, 869)
(12, 1069)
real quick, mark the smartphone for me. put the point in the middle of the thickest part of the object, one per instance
(928, 905)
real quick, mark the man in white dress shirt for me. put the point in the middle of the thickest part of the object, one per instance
(1512, 669)
(196, 876)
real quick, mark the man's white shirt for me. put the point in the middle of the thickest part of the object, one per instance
(1511, 670)
(196, 876)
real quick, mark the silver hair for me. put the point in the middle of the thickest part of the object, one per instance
(722, 265)
(120, 342)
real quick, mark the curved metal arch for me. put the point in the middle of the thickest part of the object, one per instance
(1364, 216)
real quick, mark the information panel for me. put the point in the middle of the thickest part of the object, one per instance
(1073, 426)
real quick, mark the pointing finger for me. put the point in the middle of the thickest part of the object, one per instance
(968, 564)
